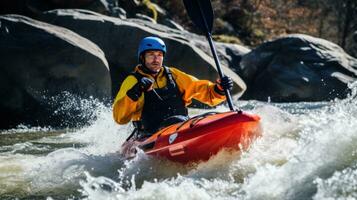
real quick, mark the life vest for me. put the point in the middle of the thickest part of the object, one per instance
(160, 104)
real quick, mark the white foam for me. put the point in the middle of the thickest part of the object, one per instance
(306, 151)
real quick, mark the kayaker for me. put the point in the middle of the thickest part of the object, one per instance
(154, 94)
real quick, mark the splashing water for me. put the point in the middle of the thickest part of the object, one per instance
(307, 151)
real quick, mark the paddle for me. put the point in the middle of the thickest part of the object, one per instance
(201, 13)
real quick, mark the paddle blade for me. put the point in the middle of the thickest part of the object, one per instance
(201, 13)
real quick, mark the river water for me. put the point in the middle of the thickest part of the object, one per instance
(307, 151)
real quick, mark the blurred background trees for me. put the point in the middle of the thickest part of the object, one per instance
(254, 21)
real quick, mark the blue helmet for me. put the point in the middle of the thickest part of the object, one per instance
(151, 43)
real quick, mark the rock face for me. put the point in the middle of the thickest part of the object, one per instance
(39, 61)
(351, 45)
(34, 8)
(297, 68)
(229, 54)
(119, 39)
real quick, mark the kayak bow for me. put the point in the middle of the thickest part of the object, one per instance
(200, 137)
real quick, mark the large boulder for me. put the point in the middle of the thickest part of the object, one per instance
(297, 68)
(351, 45)
(228, 53)
(119, 39)
(34, 8)
(39, 62)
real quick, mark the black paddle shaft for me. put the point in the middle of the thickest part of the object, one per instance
(201, 13)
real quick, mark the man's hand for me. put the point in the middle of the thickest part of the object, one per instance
(143, 85)
(225, 83)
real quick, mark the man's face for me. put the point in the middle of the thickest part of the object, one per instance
(153, 60)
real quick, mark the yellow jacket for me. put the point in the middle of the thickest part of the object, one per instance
(125, 109)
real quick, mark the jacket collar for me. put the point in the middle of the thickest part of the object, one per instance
(138, 69)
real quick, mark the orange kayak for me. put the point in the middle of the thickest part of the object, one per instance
(200, 137)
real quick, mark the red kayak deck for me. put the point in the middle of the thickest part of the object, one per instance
(200, 137)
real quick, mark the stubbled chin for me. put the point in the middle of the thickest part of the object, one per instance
(155, 68)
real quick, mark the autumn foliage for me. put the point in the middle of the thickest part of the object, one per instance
(255, 21)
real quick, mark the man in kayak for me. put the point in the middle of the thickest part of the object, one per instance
(154, 93)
